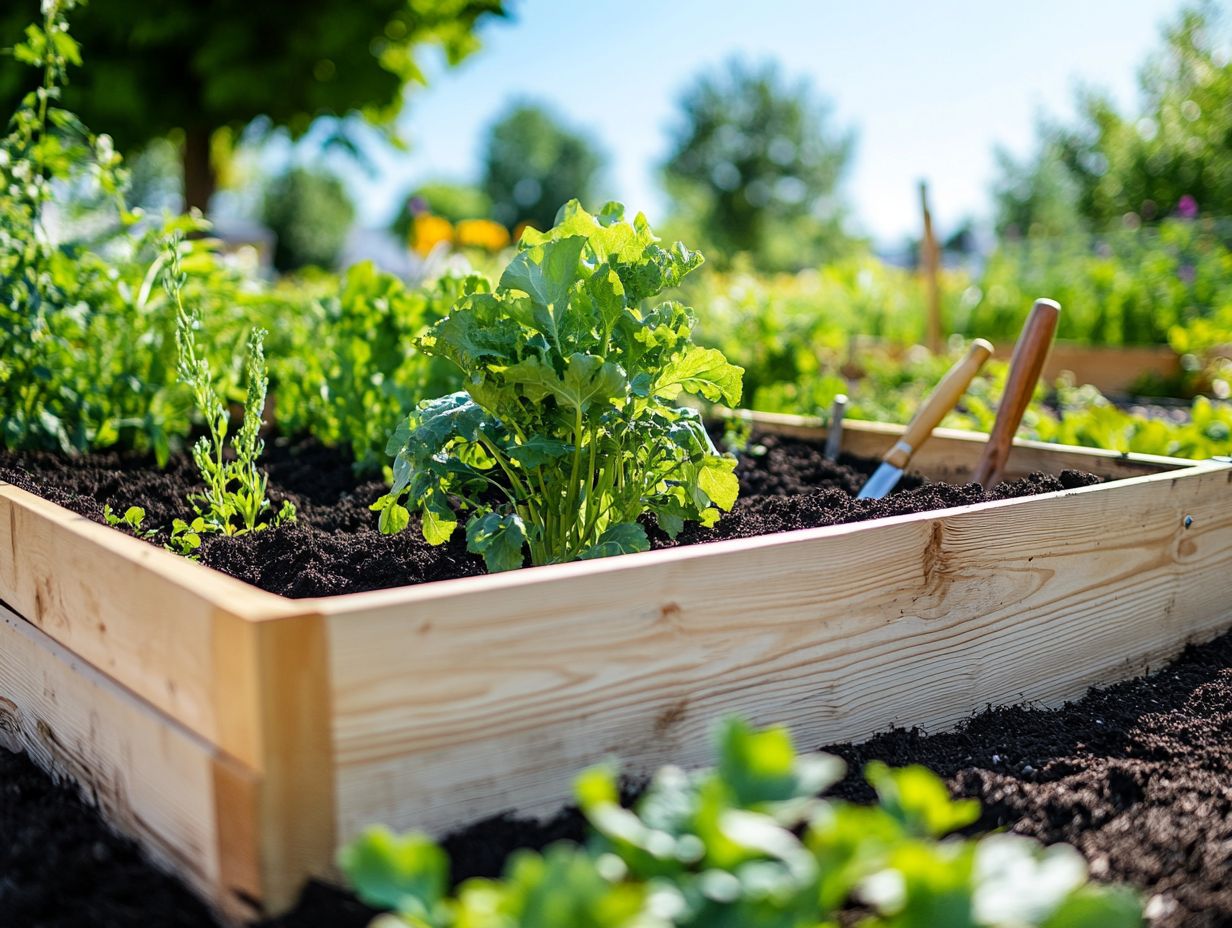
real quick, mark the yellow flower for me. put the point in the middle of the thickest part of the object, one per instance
(481, 233)
(428, 231)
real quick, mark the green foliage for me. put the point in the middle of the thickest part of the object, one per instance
(349, 372)
(234, 500)
(133, 519)
(310, 214)
(566, 432)
(86, 360)
(748, 844)
(756, 167)
(533, 163)
(1130, 287)
(1171, 156)
(200, 67)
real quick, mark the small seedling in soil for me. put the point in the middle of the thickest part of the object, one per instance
(234, 501)
(568, 431)
(133, 519)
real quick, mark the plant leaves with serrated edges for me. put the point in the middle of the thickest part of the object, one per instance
(622, 538)
(498, 538)
(546, 273)
(701, 371)
(587, 380)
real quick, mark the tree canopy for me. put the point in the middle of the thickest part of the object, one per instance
(534, 164)
(1172, 157)
(155, 67)
(756, 164)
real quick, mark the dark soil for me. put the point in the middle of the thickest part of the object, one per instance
(333, 547)
(1138, 777)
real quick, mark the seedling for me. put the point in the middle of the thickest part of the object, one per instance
(234, 500)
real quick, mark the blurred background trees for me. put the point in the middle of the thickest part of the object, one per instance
(533, 163)
(755, 167)
(309, 213)
(188, 70)
(1172, 157)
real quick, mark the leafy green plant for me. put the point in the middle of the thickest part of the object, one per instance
(234, 500)
(133, 519)
(567, 431)
(749, 844)
(347, 377)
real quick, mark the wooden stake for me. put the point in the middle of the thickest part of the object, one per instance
(1029, 355)
(930, 261)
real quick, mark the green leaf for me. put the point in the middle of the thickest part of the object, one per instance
(546, 273)
(916, 797)
(439, 520)
(539, 450)
(1098, 907)
(622, 538)
(717, 479)
(701, 371)
(499, 538)
(394, 518)
(587, 380)
(761, 767)
(406, 873)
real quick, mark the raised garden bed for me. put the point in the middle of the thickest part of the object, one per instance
(241, 736)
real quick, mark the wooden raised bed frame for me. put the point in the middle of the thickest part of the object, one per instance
(241, 736)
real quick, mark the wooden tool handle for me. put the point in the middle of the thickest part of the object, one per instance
(1030, 352)
(953, 385)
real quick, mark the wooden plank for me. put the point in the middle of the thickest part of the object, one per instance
(950, 454)
(1110, 370)
(467, 698)
(155, 622)
(150, 777)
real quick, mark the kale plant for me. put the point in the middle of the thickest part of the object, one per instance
(567, 431)
(234, 500)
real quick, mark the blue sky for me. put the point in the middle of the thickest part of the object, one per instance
(930, 87)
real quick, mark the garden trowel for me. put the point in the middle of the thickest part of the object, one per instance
(953, 385)
(1026, 364)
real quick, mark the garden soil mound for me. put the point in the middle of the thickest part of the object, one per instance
(333, 547)
(1135, 776)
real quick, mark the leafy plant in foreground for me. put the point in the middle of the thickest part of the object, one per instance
(748, 844)
(234, 499)
(567, 431)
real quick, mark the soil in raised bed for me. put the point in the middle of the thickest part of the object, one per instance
(1136, 776)
(333, 547)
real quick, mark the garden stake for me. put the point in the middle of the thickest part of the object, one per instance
(834, 435)
(1027, 362)
(953, 385)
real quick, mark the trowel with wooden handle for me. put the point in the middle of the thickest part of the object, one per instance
(953, 385)
(1030, 352)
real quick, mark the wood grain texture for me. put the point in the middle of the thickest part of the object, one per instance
(471, 697)
(150, 777)
(144, 616)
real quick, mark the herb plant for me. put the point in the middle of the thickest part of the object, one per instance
(567, 431)
(749, 844)
(234, 500)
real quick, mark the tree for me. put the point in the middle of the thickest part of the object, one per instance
(158, 67)
(310, 215)
(534, 164)
(1173, 156)
(755, 163)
